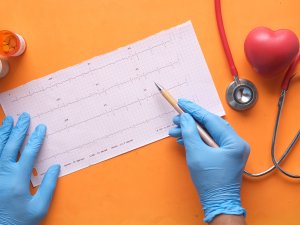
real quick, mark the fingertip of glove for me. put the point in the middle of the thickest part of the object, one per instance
(176, 119)
(55, 169)
(23, 120)
(57, 166)
(7, 121)
(24, 116)
(182, 101)
(188, 106)
(41, 129)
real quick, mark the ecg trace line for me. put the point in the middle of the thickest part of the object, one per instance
(112, 110)
(104, 91)
(85, 73)
(108, 135)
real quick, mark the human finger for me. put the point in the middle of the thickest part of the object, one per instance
(43, 197)
(190, 135)
(176, 120)
(32, 148)
(16, 138)
(5, 131)
(175, 132)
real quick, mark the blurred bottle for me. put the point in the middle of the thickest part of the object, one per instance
(4, 67)
(11, 44)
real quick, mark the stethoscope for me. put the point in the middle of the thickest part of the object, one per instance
(241, 94)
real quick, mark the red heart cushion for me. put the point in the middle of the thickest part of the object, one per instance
(271, 52)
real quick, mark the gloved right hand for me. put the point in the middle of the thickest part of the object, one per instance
(216, 172)
(17, 205)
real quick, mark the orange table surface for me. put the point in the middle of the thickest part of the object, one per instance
(151, 185)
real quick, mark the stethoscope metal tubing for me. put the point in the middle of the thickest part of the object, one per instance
(276, 164)
(294, 141)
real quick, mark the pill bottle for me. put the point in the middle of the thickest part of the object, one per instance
(4, 67)
(11, 44)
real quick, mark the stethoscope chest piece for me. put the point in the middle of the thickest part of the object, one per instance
(241, 94)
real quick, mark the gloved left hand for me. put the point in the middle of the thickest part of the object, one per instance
(17, 205)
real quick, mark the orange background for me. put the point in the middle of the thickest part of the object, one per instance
(151, 185)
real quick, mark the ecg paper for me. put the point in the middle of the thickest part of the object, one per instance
(109, 105)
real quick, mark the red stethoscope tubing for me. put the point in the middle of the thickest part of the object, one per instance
(290, 73)
(225, 44)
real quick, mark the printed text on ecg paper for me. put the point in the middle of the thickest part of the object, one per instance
(109, 105)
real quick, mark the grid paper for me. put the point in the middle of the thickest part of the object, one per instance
(109, 105)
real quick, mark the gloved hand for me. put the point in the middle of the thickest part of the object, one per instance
(216, 172)
(17, 205)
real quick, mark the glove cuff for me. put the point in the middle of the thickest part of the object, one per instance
(225, 200)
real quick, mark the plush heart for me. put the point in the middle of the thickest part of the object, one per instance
(271, 52)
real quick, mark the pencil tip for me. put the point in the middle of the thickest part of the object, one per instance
(159, 87)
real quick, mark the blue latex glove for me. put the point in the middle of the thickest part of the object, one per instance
(17, 205)
(216, 172)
